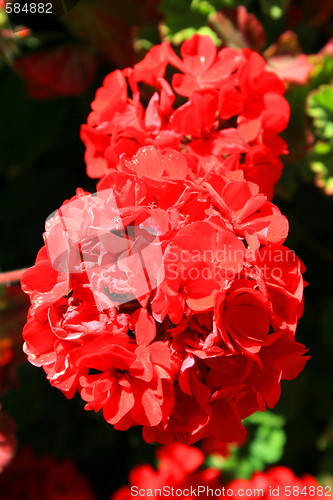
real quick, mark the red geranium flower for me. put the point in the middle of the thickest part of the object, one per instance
(134, 384)
(243, 317)
(167, 302)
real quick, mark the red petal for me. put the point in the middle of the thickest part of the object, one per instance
(145, 328)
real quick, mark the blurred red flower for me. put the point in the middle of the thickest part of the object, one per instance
(61, 71)
(43, 478)
(178, 475)
(7, 441)
(279, 482)
(178, 467)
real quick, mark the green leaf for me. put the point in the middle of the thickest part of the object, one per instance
(268, 445)
(183, 18)
(321, 163)
(299, 164)
(320, 108)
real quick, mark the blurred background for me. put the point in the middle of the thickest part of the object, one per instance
(50, 70)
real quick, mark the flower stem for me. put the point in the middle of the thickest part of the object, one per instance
(11, 277)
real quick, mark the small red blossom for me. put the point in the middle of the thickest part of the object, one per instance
(202, 65)
(134, 384)
(243, 317)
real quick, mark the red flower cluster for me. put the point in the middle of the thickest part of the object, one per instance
(223, 111)
(167, 302)
(178, 470)
(178, 476)
(42, 478)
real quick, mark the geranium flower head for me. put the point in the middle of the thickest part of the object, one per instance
(166, 300)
